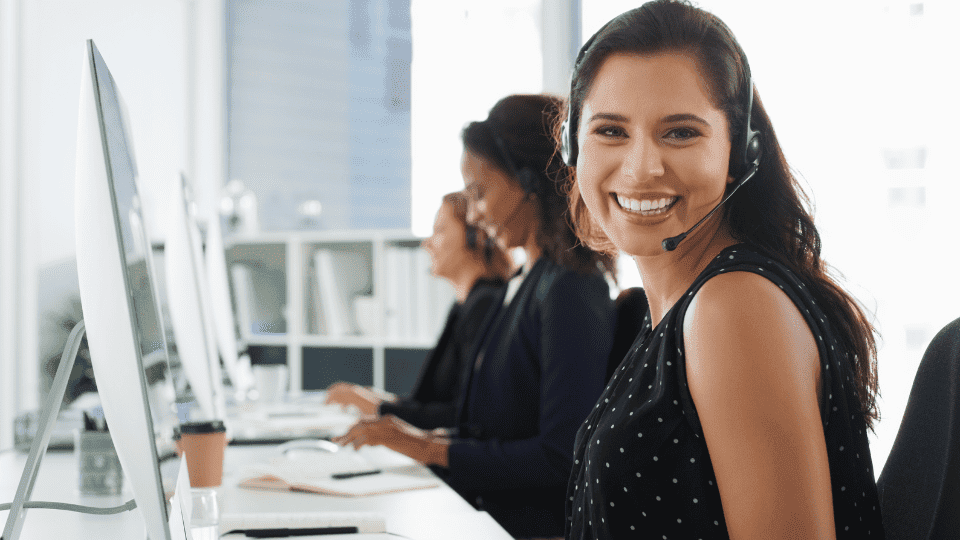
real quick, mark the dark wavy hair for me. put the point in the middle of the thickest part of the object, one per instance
(517, 138)
(496, 261)
(769, 212)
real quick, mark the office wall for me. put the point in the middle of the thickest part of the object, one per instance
(143, 43)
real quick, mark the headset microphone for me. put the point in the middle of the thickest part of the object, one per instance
(747, 153)
(670, 244)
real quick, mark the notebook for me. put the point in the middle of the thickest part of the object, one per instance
(344, 473)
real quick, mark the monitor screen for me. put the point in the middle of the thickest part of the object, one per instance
(189, 305)
(119, 295)
(136, 256)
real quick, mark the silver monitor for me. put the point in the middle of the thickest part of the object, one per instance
(118, 293)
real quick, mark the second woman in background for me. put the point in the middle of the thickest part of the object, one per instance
(477, 268)
(541, 365)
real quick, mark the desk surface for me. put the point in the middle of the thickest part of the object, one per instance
(426, 514)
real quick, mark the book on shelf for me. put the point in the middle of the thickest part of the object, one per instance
(416, 303)
(333, 309)
(422, 292)
(391, 294)
(243, 295)
(341, 275)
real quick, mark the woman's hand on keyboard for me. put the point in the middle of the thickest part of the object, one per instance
(367, 401)
(428, 447)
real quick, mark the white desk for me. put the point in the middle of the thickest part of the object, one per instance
(428, 514)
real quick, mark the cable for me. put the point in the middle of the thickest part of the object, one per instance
(96, 510)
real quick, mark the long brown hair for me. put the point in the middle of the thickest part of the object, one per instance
(769, 212)
(517, 137)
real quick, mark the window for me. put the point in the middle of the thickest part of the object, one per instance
(467, 54)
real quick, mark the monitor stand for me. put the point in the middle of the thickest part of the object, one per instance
(47, 417)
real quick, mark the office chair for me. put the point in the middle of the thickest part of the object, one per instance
(631, 307)
(919, 485)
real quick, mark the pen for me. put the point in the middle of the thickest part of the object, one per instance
(344, 476)
(284, 532)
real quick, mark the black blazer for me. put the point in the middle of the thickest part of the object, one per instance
(433, 402)
(537, 374)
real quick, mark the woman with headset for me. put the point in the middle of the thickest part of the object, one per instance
(477, 268)
(742, 410)
(541, 365)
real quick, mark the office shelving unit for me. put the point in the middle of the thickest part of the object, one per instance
(355, 305)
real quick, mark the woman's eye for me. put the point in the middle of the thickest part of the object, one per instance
(611, 131)
(682, 133)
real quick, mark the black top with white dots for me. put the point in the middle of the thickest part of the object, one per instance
(641, 466)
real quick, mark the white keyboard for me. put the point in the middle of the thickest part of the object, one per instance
(365, 522)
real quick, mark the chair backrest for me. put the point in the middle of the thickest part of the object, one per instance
(919, 485)
(631, 307)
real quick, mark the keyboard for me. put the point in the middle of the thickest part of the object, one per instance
(279, 524)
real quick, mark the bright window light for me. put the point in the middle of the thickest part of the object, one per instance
(467, 54)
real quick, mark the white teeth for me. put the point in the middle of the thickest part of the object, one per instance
(646, 206)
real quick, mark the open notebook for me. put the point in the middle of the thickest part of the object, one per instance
(346, 473)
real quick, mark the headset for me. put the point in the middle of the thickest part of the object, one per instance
(526, 177)
(473, 242)
(472, 234)
(746, 149)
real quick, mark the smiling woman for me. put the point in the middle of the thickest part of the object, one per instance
(743, 408)
(628, 144)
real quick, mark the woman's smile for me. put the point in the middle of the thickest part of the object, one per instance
(646, 206)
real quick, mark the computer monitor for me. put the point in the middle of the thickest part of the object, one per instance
(224, 318)
(118, 293)
(188, 297)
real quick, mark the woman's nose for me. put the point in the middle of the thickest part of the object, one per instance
(644, 159)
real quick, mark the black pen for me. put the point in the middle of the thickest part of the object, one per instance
(285, 533)
(345, 475)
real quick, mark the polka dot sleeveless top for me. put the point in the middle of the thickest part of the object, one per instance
(641, 467)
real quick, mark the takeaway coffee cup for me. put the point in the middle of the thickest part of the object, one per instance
(203, 443)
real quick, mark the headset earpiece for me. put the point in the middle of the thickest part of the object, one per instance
(752, 147)
(528, 181)
(471, 233)
(568, 144)
(525, 176)
(488, 246)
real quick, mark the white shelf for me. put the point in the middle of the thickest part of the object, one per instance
(287, 277)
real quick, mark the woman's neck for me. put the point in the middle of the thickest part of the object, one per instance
(533, 251)
(666, 276)
(463, 283)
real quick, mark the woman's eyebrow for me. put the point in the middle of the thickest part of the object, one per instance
(679, 117)
(613, 117)
(685, 117)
